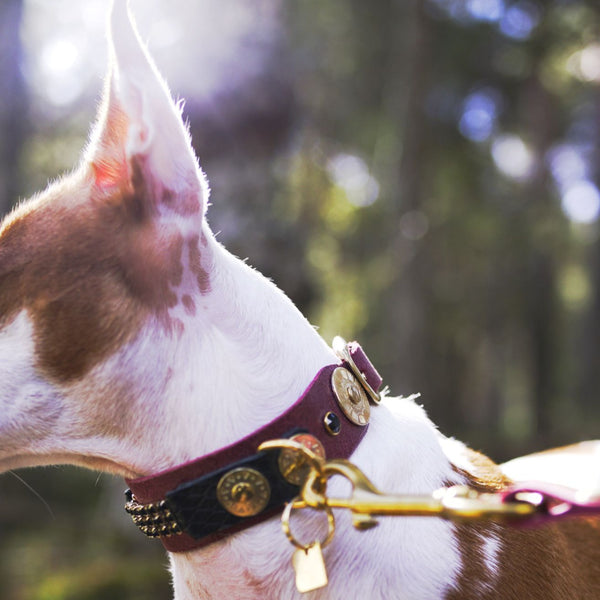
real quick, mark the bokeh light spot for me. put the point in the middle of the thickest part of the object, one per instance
(585, 64)
(581, 202)
(351, 173)
(486, 10)
(513, 157)
(59, 56)
(520, 20)
(567, 164)
(479, 113)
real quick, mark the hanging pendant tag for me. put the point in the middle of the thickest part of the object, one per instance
(309, 566)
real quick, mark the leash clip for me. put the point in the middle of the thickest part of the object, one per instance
(458, 502)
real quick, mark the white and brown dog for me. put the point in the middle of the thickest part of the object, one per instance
(132, 342)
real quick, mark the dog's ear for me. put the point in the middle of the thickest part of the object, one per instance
(140, 142)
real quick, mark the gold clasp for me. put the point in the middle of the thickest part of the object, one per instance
(461, 502)
(366, 502)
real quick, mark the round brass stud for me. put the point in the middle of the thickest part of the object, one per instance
(243, 492)
(350, 396)
(294, 466)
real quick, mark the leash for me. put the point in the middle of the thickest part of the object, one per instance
(525, 504)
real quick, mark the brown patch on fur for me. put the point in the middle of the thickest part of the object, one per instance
(189, 305)
(485, 475)
(202, 277)
(474, 573)
(70, 287)
(257, 588)
(146, 186)
(553, 562)
(184, 204)
(89, 271)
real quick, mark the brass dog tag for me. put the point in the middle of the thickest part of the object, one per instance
(309, 566)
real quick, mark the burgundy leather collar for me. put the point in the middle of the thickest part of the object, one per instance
(181, 505)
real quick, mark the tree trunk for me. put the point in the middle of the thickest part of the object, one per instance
(542, 317)
(12, 102)
(587, 387)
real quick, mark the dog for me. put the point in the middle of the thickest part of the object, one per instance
(132, 342)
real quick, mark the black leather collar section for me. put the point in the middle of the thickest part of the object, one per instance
(194, 509)
(201, 515)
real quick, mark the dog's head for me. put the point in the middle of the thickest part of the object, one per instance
(119, 312)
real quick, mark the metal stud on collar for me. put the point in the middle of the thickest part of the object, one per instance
(340, 347)
(243, 492)
(154, 519)
(350, 396)
(294, 465)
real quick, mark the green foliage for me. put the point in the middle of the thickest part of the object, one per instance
(65, 537)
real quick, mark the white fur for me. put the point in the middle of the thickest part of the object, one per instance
(492, 547)
(29, 406)
(570, 467)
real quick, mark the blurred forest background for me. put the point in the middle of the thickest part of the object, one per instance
(421, 175)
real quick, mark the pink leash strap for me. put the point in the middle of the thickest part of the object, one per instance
(554, 501)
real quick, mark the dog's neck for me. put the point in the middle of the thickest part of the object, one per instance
(243, 385)
(240, 360)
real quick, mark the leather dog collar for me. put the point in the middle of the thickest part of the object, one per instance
(211, 497)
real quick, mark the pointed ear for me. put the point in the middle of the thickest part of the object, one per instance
(140, 140)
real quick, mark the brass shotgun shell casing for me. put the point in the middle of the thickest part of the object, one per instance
(293, 465)
(351, 396)
(243, 492)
